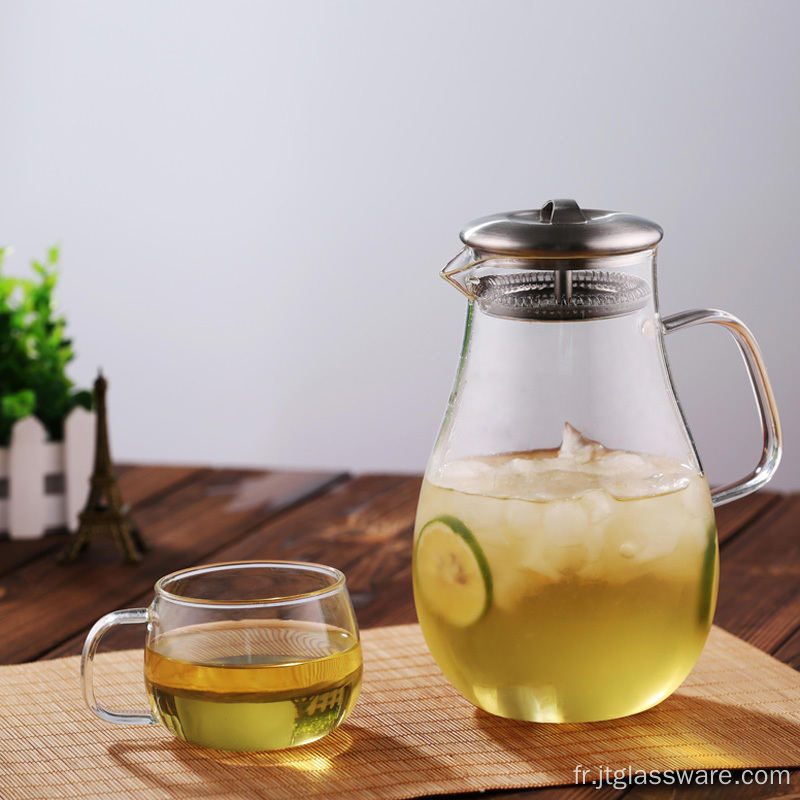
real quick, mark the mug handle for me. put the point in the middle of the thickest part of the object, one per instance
(765, 399)
(129, 616)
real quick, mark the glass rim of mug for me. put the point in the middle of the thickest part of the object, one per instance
(337, 585)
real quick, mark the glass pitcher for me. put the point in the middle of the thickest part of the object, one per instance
(565, 549)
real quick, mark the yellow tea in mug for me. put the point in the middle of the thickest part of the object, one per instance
(253, 685)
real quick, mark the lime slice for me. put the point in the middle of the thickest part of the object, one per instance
(452, 572)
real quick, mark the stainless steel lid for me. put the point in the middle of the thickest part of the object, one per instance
(559, 262)
(561, 229)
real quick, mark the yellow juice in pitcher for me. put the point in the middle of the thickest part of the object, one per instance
(253, 685)
(565, 586)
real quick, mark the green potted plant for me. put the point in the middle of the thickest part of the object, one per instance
(44, 471)
(34, 352)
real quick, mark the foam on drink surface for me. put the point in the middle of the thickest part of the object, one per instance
(577, 467)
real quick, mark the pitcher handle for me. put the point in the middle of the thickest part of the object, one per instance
(765, 400)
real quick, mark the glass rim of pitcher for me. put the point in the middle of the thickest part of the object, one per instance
(266, 602)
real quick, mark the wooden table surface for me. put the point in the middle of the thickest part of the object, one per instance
(363, 526)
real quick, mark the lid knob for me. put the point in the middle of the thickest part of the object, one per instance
(561, 211)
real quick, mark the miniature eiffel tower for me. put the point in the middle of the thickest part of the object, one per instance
(104, 514)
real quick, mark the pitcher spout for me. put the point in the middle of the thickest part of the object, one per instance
(459, 268)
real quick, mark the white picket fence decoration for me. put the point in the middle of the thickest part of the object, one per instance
(31, 462)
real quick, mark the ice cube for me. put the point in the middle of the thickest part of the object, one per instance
(530, 467)
(513, 557)
(565, 524)
(641, 536)
(522, 477)
(627, 476)
(484, 516)
(575, 445)
(697, 499)
(623, 464)
(600, 509)
(525, 529)
(512, 583)
(656, 527)
(599, 506)
(566, 530)
(524, 518)
(467, 474)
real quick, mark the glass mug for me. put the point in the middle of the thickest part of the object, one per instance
(247, 656)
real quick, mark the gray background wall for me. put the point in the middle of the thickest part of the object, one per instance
(254, 200)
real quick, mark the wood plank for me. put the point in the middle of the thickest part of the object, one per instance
(732, 518)
(44, 603)
(16, 552)
(789, 651)
(138, 485)
(759, 599)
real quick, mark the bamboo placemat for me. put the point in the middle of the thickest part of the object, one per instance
(410, 734)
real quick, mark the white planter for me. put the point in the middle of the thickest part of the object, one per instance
(47, 483)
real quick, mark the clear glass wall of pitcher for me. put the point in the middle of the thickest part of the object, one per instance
(565, 556)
